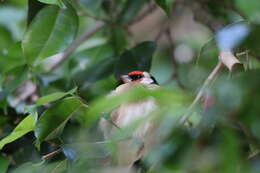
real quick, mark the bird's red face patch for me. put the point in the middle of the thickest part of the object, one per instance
(135, 73)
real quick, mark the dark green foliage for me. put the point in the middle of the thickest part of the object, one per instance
(56, 73)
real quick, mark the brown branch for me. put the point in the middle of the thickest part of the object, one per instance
(52, 154)
(75, 44)
(206, 83)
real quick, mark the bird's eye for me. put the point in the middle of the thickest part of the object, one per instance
(136, 77)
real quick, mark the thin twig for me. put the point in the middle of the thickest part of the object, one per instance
(52, 154)
(75, 44)
(206, 83)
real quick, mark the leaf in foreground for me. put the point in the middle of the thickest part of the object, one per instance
(57, 28)
(53, 97)
(25, 126)
(54, 119)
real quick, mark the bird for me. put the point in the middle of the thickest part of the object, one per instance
(130, 152)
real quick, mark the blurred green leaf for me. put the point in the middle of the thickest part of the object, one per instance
(166, 5)
(99, 70)
(173, 99)
(137, 58)
(3, 164)
(118, 39)
(21, 74)
(53, 120)
(13, 18)
(54, 167)
(251, 10)
(130, 10)
(56, 2)
(253, 40)
(53, 97)
(6, 38)
(231, 152)
(25, 126)
(12, 58)
(57, 28)
(91, 6)
(85, 150)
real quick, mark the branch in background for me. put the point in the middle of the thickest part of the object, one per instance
(161, 32)
(145, 13)
(75, 44)
(206, 83)
(175, 74)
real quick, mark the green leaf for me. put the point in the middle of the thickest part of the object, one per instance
(43, 167)
(169, 99)
(53, 97)
(253, 40)
(91, 6)
(97, 71)
(251, 10)
(51, 31)
(118, 39)
(3, 164)
(12, 58)
(53, 120)
(21, 74)
(25, 126)
(130, 10)
(137, 58)
(6, 37)
(166, 5)
(55, 2)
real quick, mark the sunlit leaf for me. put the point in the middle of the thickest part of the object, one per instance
(53, 120)
(53, 97)
(57, 28)
(25, 126)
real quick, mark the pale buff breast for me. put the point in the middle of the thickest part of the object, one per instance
(130, 113)
(125, 115)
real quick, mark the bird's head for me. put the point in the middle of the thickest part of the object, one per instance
(138, 77)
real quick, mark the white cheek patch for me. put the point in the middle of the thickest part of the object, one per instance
(147, 81)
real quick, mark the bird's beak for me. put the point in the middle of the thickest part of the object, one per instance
(125, 78)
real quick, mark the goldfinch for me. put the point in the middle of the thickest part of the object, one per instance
(129, 152)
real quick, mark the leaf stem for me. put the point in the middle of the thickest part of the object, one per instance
(52, 154)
